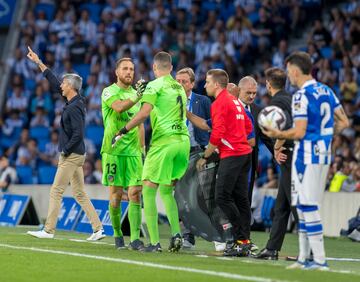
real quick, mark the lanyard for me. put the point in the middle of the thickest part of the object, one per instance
(190, 107)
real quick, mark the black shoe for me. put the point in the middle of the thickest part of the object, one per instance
(175, 243)
(152, 248)
(136, 245)
(237, 249)
(119, 243)
(267, 254)
(189, 241)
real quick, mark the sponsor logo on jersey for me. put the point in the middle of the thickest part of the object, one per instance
(176, 126)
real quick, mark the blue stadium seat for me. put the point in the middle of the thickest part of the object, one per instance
(25, 174)
(41, 144)
(49, 9)
(253, 17)
(83, 70)
(94, 11)
(268, 205)
(46, 174)
(326, 52)
(95, 133)
(336, 64)
(39, 132)
(8, 141)
(30, 84)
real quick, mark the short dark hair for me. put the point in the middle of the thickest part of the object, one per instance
(300, 59)
(163, 60)
(125, 59)
(220, 76)
(276, 77)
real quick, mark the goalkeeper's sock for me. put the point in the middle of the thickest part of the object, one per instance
(172, 213)
(134, 220)
(151, 213)
(115, 216)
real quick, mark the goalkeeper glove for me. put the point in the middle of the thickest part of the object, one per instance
(118, 136)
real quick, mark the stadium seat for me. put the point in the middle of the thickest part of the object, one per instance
(95, 133)
(49, 9)
(326, 52)
(41, 144)
(25, 174)
(30, 84)
(47, 174)
(83, 70)
(253, 17)
(94, 11)
(268, 205)
(336, 64)
(39, 132)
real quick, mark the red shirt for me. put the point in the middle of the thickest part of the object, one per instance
(230, 126)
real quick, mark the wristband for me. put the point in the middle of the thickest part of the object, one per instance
(123, 131)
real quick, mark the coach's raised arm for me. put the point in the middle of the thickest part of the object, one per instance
(72, 148)
(55, 84)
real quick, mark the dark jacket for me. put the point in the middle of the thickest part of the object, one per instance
(72, 123)
(255, 110)
(200, 106)
(283, 100)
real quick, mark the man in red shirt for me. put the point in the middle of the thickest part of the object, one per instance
(230, 127)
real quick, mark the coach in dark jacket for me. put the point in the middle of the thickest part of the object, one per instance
(197, 104)
(247, 93)
(283, 150)
(72, 148)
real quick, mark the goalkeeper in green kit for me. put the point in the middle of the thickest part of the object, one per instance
(122, 163)
(164, 99)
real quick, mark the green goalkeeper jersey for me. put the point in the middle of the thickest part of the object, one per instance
(129, 145)
(168, 117)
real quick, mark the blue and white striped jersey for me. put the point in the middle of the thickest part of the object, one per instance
(316, 103)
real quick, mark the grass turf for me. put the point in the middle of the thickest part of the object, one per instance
(29, 265)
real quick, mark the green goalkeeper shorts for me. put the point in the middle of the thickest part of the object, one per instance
(166, 163)
(121, 171)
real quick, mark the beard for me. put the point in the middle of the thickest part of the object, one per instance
(126, 80)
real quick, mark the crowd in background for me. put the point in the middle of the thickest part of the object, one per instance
(243, 37)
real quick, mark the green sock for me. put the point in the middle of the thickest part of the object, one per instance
(134, 215)
(151, 214)
(115, 216)
(172, 213)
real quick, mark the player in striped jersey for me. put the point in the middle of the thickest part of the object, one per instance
(317, 116)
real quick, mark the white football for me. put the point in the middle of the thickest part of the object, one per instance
(273, 117)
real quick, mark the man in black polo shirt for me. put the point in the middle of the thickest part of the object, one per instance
(72, 148)
(275, 84)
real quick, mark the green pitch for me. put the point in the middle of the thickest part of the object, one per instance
(70, 258)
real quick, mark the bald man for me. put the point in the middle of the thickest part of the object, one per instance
(233, 89)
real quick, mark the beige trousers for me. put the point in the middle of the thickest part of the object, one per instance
(70, 170)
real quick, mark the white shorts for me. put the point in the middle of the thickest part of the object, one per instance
(307, 188)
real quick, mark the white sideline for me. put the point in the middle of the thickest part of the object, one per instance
(148, 264)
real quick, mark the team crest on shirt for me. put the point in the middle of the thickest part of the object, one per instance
(111, 178)
(106, 94)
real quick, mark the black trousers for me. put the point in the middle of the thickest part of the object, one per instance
(231, 193)
(282, 207)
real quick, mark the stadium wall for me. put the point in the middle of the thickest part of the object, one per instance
(336, 210)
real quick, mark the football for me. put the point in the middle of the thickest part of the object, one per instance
(273, 117)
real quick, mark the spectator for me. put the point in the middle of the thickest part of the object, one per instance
(89, 177)
(51, 152)
(28, 155)
(320, 35)
(40, 118)
(98, 172)
(41, 99)
(7, 174)
(349, 87)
